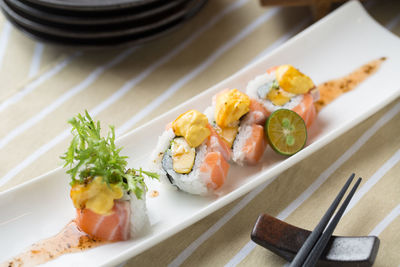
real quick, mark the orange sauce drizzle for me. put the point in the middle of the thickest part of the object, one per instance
(70, 239)
(154, 193)
(330, 90)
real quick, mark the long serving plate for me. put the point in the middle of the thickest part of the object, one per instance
(333, 47)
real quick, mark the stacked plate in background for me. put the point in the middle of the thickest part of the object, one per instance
(98, 23)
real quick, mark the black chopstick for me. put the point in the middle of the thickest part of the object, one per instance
(313, 237)
(321, 244)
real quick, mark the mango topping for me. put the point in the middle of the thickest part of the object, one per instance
(230, 106)
(182, 155)
(192, 125)
(96, 196)
(228, 134)
(279, 97)
(292, 80)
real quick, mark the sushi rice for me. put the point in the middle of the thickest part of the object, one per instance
(139, 219)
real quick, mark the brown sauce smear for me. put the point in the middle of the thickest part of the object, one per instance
(330, 90)
(70, 239)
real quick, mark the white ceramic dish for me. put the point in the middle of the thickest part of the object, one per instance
(333, 47)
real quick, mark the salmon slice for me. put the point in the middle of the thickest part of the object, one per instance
(215, 168)
(113, 227)
(255, 145)
(215, 143)
(272, 69)
(258, 114)
(306, 109)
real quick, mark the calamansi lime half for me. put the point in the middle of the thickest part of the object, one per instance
(286, 132)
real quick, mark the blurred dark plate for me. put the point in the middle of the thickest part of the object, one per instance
(94, 5)
(106, 42)
(48, 17)
(127, 10)
(109, 32)
(96, 31)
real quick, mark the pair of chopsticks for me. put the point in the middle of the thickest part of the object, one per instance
(316, 242)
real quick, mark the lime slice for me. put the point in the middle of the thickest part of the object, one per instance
(286, 132)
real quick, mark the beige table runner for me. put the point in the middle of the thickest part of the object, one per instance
(22, 59)
(128, 87)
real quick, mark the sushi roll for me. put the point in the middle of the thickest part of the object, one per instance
(191, 156)
(108, 212)
(285, 87)
(109, 199)
(239, 120)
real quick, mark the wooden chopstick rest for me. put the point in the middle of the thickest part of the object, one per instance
(285, 240)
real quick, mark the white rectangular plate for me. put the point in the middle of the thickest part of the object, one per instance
(333, 47)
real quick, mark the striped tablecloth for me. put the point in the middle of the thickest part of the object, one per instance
(43, 86)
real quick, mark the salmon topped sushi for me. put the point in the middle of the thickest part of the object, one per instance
(238, 119)
(285, 87)
(109, 198)
(191, 156)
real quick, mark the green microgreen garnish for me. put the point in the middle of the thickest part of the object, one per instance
(264, 89)
(90, 155)
(274, 84)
